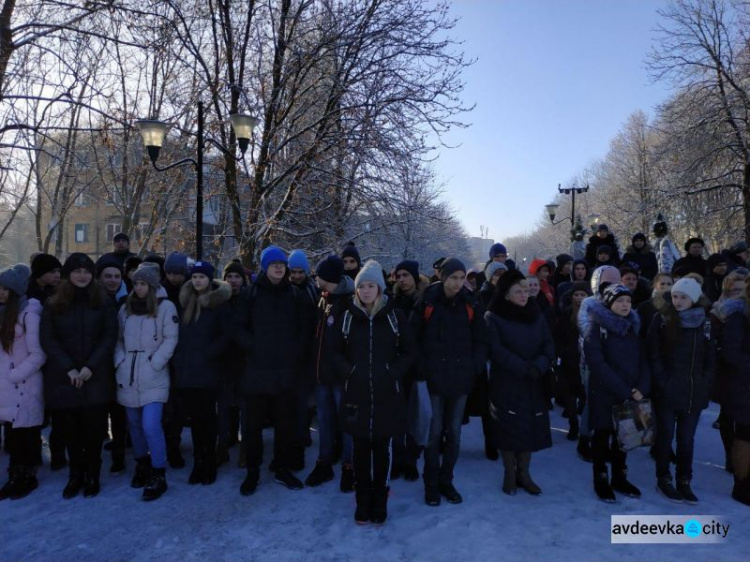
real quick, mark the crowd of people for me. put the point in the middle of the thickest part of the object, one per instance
(137, 350)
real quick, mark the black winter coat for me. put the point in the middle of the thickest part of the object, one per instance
(692, 264)
(330, 308)
(275, 331)
(735, 353)
(233, 358)
(682, 375)
(617, 362)
(197, 359)
(644, 259)
(592, 249)
(521, 351)
(81, 336)
(371, 361)
(452, 350)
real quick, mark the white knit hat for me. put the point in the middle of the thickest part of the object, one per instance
(689, 287)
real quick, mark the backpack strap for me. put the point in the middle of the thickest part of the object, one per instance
(603, 333)
(393, 321)
(428, 310)
(347, 325)
(470, 312)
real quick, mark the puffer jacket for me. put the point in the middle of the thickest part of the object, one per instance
(142, 355)
(330, 308)
(21, 380)
(371, 360)
(735, 355)
(682, 374)
(83, 335)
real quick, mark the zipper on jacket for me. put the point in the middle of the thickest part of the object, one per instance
(692, 365)
(372, 390)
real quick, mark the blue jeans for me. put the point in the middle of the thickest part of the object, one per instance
(447, 416)
(147, 434)
(328, 399)
(667, 421)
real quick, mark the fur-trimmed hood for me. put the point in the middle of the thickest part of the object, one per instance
(424, 282)
(192, 303)
(611, 321)
(724, 309)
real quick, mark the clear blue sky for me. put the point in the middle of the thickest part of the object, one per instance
(554, 82)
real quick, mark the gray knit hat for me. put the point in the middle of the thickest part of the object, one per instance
(16, 279)
(492, 268)
(372, 271)
(149, 273)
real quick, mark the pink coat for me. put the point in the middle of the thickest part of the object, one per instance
(21, 383)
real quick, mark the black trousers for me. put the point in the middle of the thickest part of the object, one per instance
(172, 422)
(83, 431)
(283, 410)
(604, 443)
(372, 462)
(200, 405)
(23, 445)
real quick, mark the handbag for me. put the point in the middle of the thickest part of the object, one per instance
(419, 415)
(634, 424)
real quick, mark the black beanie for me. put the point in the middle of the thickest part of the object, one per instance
(77, 260)
(639, 236)
(562, 259)
(507, 281)
(450, 266)
(411, 267)
(132, 263)
(234, 266)
(106, 261)
(692, 241)
(331, 269)
(350, 251)
(581, 286)
(714, 260)
(44, 263)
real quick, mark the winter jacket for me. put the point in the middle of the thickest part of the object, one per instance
(567, 345)
(666, 255)
(144, 348)
(80, 336)
(330, 307)
(233, 358)
(720, 312)
(615, 355)
(202, 341)
(371, 360)
(583, 313)
(712, 286)
(452, 346)
(522, 352)
(406, 303)
(644, 259)
(173, 294)
(592, 249)
(682, 375)
(692, 264)
(275, 331)
(735, 354)
(21, 380)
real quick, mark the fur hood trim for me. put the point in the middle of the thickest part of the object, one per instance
(611, 321)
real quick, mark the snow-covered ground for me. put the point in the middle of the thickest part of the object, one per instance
(215, 523)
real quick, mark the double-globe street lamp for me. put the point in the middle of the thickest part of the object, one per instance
(575, 220)
(153, 134)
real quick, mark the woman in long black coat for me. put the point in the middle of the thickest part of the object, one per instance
(78, 333)
(522, 351)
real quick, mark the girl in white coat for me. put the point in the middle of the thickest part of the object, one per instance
(21, 386)
(149, 326)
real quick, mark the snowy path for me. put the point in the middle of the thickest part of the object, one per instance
(216, 523)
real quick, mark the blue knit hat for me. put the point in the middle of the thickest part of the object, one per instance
(497, 249)
(203, 267)
(298, 260)
(372, 271)
(16, 279)
(270, 255)
(176, 263)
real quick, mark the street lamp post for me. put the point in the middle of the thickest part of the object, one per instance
(153, 134)
(575, 220)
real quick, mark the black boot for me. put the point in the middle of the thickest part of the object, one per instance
(321, 474)
(8, 488)
(91, 485)
(364, 503)
(74, 485)
(573, 431)
(665, 487)
(26, 483)
(157, 485)
(379, 505)
(411, 474)
(584, 449)
(142, 473)
(683, 486)
(209, 470)
(250, 484)
(523, 477)
(621, 485)
(601, 485)
(509, 477)
(118, 461)
(741, 491)
(196, 476)
(347, 478)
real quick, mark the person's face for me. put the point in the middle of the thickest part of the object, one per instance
(297, 275)
(349, 264)
(720, 269)
(81, 277)
(737, 289)
(578, 297)
(50, 279)
(630, 280)
(121, 245)
(496, 276)
(579, 272)
(639, 244)
(543, 273)
(471, 280)
(324, 285)
(681, 301)
(140, 288)
(234, 280)
(695, 249)
(500, 257)
(367, 291)
(518, 294)
(405, 281)
(603, 257)
(745, 255)
(200, 282)
(622, 306)
(276, 271)
(4, 292)
(532, 286)
(111, 278)
(566, 268)
(602, 233)
(664, 284)
(176, 279)
(453, 283)
(436, 272)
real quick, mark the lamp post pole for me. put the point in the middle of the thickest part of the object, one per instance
(199, 189)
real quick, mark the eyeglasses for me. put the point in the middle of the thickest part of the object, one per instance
(277, 264)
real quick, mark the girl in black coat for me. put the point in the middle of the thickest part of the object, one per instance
(78, 333)
(372, 349)
(522, 352)
(682, 357)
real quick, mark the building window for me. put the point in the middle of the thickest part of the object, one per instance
(113, 229)
(82, 233)
(83, 199)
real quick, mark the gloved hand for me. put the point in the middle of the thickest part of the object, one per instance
(85, 374)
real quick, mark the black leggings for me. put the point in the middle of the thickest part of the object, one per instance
(604, 443)
(372, 462)
(83, 431)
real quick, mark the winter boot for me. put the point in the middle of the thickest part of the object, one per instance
(509, 478)
(91, 484)
(196, 476)
(741, 462)
(683, 486)
(584, 449)
(601, 485)
(741, 491)
(347, 478)
(379, 506)
(450, 493)
(142, 473)
(621, 485)
(321, 474)
(118, 461)
(26, 483)
(222, 454)
(411, 474)
(209, 469)
(10, 486)
(665, 487)
(74, 485)
(250, 484)
(364, 504)
(432, 495)
(285, 477)
(157, 485)
(523, 460)
(574, 429)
